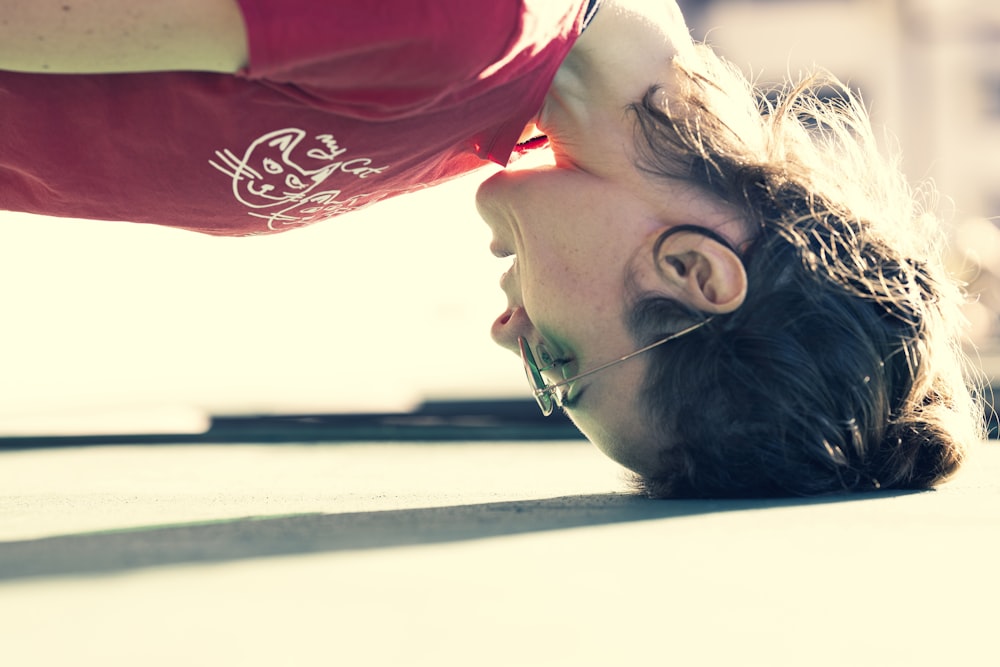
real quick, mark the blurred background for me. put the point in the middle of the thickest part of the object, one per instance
(929, 72)
(113, 327)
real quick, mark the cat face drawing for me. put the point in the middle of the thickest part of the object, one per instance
(282, 168)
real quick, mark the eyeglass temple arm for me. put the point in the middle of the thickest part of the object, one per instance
(609, 364)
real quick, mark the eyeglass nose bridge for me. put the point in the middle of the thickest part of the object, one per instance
(546, 399)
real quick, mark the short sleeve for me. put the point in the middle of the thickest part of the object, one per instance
(377, 60)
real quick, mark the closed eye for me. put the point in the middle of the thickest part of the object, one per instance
(552, 365)
(547, 362)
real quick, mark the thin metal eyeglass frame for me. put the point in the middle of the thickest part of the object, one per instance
(546, 395)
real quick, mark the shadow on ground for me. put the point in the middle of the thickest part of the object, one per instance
(257, 537)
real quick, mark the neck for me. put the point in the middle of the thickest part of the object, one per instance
(627, 48)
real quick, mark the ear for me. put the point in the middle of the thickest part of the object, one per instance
(709, 275)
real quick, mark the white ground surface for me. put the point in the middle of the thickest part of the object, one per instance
(474, 554)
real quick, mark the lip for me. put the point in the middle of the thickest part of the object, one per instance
(512, 323)
(499, 251)
(506, 277)
(496, 331)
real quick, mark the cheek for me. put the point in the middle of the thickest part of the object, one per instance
(564, 265)
(562, 301)
(588, 261)
(546, 273)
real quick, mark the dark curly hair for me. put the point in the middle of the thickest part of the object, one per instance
(842, 370)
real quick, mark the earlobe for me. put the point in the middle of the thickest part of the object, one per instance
(708, 273)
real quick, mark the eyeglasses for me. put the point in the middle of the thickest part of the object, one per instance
(548, 395)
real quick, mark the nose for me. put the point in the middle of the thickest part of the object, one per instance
(511, 325)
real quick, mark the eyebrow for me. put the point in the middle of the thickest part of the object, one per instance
(570, 402)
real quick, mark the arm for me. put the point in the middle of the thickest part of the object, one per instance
(93, 36)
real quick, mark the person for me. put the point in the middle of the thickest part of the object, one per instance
(252, 117)
(727, 297)
(730, 297)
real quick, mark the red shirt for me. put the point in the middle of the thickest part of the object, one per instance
(343, 104)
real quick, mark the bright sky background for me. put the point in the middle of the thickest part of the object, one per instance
(375, 310)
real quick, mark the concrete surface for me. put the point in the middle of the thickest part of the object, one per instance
(474, 554)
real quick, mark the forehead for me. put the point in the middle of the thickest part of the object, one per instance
(608, 411)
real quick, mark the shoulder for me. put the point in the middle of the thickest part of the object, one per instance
(453, 38)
